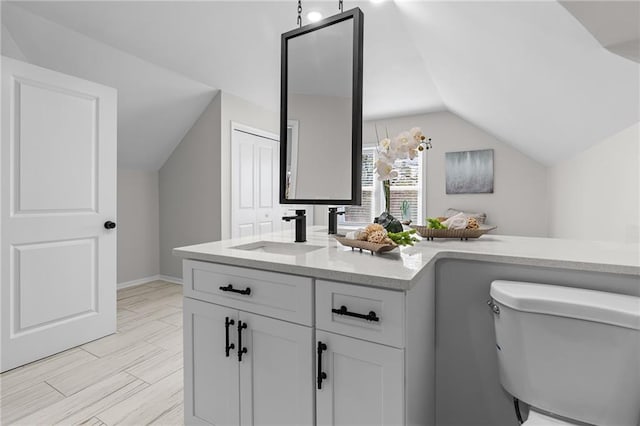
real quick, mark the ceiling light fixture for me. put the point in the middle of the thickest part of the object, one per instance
(314, 16)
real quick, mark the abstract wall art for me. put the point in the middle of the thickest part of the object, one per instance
(469, 172)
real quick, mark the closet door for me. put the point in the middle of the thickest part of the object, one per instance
(276, 373)
(211, 395)
(364, 382)
(58, 181)
(254, 192)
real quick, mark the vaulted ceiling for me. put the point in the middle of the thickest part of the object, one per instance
(528, 72)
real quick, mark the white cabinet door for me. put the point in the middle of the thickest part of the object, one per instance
(58, 186)
(211, 377)
(364, 382)
(276, 373)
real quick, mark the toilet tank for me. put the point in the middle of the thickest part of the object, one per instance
(570, 351)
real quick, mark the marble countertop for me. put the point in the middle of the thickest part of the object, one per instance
(400, 269)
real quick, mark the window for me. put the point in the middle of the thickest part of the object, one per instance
(407, 186)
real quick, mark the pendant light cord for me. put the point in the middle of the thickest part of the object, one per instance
(299, 13)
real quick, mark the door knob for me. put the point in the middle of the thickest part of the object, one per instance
(109, 225)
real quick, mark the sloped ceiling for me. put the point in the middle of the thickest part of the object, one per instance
(528, 72)
(156, 106)
(9, 46)
(615, 24)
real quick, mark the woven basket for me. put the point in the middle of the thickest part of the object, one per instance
(463, 234)
(366, 245)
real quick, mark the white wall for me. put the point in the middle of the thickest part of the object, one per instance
(595, 194)
(190, 190)
(519, 203)
(239, 110)
(137, 225)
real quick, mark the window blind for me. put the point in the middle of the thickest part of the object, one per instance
(407, 186)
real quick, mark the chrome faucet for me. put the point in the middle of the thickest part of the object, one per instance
(301, 225)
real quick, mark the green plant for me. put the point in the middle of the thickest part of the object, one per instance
(404, 238)
(405, 207)
(434, 223)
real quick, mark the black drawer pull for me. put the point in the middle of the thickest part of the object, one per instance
(241, 350)
(321, 374)
(229, 287)
(227, 346)
(371, 316)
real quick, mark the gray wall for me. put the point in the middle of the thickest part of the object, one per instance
(598, 190)
(519, 203)
(190, 190)
(324, 146)
(195, 182)
(138, 225)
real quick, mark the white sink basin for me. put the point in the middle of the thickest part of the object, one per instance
(274, 247)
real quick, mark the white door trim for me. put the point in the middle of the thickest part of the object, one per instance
(253, 130)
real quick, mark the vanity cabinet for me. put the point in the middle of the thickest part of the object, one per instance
(434, 330)
(317, 353)
(243, 368)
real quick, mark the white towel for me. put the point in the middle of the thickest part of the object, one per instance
(458, 221)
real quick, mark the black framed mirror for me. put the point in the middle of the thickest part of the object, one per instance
(321, 112)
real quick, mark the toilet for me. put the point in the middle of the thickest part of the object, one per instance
(572, 355)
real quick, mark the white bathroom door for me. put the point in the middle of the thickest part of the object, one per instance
(58, 180)
(254, 189)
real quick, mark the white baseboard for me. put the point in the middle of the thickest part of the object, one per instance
(139, 281)
(133, 283)
(170, 279)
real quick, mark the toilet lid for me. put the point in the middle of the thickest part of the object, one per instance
(539, 419)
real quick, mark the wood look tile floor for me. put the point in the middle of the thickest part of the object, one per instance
(133, 377)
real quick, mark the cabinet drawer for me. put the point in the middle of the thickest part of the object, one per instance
(287, 297)
(387, 305)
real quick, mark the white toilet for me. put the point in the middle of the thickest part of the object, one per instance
(572, 355)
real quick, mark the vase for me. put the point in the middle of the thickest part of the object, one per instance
(385, 219)
(386, 187)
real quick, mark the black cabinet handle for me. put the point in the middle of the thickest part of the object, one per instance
(229, 287)
(241, 350)
(109, 225)
(227, 346)
(321, 374)
(371, 316)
